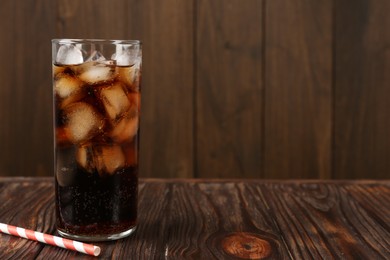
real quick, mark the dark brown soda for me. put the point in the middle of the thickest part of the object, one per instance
(98, 205)
(92, 202)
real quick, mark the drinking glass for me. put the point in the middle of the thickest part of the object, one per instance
(96, 93)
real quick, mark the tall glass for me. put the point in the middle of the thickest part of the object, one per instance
(96, 89)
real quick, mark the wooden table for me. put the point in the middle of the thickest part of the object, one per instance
(221, 219)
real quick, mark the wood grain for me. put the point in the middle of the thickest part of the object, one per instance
(228, 88)
(6, 133)
(25, 95)
(36, 200)
(213, 219)
(362, 64)
(166, 30)
(298, 84)
(261, 89)
(327, 222)
(89, 19)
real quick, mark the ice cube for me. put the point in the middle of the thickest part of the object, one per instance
(125, 129)
(68, 89)
(57, 70)
(115, 100)
(105, 159)
(135, 100)
(95, 56)
(84, 157)
(83, 122)
(108, 159)
(65, 167)
(69, 55)
(97, 72)
(126, 56)
(130, 77)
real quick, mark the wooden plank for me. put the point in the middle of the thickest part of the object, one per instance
(6, 91)
(166, 30)
(22, 204)
(330, 221)
(198, 219)
(26, 146)
(228, 88)
(362, 64)
(89, 19)
(298, 89)
(191, 220)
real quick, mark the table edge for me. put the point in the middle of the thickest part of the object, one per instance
(214, 180)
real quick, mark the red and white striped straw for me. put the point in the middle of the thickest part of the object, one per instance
(51, 240)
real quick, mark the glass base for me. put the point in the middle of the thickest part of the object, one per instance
(98, 238)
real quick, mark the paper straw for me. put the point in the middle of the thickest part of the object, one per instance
(51, 240)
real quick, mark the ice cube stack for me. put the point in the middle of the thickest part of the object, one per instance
(97, 109)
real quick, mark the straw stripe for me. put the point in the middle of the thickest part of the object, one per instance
(21, 232)
(69, 244)
(51, 240)
(3, 228)
(79, 246)
(90, 249)
(12, 230)
(39, 237)
(30, 234)
(58, 241)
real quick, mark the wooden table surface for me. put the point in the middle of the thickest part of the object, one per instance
(221, 219)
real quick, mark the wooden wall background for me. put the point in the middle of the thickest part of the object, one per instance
(231, 88)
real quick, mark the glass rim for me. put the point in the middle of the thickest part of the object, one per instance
(95, 41)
